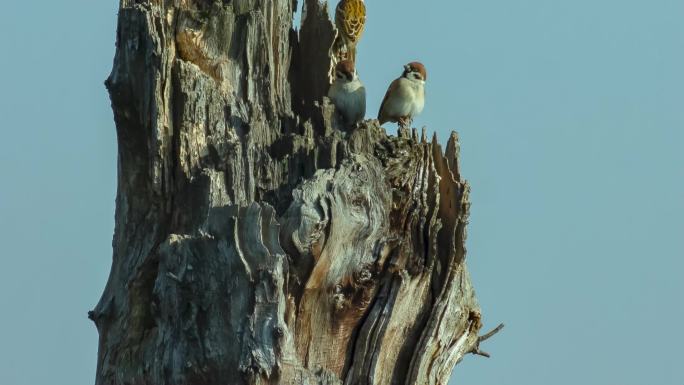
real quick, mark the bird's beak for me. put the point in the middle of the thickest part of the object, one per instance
(407, 68)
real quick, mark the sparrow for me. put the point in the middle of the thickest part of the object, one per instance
(350, 19)
(405, 96)
(348, 93)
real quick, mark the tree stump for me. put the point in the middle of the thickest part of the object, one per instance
(258, 241)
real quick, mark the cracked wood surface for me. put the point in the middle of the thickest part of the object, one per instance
(257, 241)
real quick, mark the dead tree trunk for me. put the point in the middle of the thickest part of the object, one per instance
(256, 241)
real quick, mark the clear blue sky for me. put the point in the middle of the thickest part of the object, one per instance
(571, 115)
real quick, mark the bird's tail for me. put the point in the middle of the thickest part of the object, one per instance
(381, 119)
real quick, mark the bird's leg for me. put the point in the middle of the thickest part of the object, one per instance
(405, 122)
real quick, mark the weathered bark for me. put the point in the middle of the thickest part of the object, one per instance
(258, 242)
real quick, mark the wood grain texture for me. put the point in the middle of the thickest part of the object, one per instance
(258, 242)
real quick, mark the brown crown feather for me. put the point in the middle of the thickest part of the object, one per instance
(418, 67)
(346, 67)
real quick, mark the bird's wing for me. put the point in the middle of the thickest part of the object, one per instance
(381, 114)
(350, 18)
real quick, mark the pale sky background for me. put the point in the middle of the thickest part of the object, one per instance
(571, 116)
